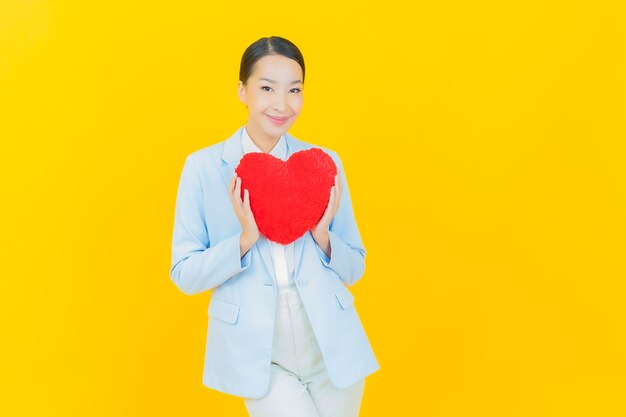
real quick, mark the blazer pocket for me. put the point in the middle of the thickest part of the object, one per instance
(223, 311)
(345, 298)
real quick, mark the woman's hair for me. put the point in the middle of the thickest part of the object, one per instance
(274, 45)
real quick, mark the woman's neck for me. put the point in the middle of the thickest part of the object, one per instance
(264, 143)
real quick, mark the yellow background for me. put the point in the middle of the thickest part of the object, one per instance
(483, 144)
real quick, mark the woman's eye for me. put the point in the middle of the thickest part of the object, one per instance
(298, 90)
(265, 86)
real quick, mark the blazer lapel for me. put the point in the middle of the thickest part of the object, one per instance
(231, 155)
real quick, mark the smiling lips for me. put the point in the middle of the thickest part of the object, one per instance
(278, 121)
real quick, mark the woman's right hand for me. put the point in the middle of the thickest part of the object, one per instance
(249, 229)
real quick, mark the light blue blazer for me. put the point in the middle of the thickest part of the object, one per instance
(206, 256)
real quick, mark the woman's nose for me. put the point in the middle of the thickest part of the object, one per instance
(280, 103)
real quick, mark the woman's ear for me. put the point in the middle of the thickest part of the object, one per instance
(241, 92)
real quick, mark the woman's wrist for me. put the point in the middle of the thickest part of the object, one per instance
(245, 243)
(323, 241)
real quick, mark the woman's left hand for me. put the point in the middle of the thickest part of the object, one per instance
(320, 230)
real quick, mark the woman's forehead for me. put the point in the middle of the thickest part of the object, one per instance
(277, 69)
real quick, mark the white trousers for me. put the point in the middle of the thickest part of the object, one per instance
(299, 383)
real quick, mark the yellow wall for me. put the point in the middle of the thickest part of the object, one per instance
(484, 148)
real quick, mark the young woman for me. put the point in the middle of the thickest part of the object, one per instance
(283, 330)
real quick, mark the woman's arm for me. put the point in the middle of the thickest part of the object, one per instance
(197, 265)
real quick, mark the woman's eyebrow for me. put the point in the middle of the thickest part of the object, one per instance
(272, 81)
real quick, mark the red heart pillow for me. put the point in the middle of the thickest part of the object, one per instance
(289, 197)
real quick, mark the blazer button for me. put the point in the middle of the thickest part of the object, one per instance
(303, 282)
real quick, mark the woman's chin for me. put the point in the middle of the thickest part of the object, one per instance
(272, 130)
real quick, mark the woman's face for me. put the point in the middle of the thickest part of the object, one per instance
(274, 95)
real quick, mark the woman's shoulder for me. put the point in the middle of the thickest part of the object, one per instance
(211, 153)
(208, 153)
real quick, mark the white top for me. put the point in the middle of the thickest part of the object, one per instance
(282, 268)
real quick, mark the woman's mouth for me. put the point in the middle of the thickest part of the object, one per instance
(277, 121)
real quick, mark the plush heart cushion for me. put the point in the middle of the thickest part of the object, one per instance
(289, 197)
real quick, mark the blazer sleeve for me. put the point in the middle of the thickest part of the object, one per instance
(197, 263)
(347, 255)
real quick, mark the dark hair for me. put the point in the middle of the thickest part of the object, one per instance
(273, 45)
